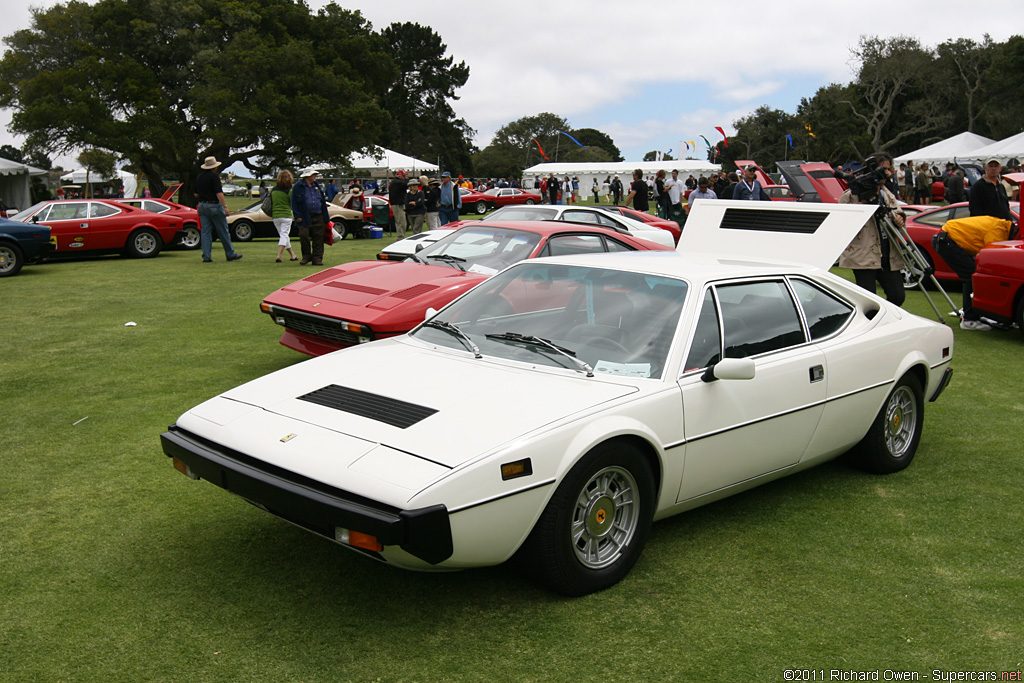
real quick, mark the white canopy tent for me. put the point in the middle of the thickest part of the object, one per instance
(957, 147)
(1008, 148)
(78, 177)
(381, 163)
(588, 171)
(15, 183)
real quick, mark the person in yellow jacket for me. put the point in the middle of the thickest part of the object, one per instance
(958, 243)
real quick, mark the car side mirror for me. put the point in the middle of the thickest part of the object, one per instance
(35, 219)
(420, 247)
(431, 312)
(729, 368)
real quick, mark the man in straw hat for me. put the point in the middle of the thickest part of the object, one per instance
(213, 212)
(415, 205)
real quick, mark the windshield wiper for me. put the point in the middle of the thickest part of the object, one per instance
(534, 341)
(456, 331)
(457, 260)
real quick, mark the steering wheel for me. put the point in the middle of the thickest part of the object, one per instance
(606, 343)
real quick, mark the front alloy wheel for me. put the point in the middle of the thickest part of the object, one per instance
(242, 231)
(891, 442)
(481, 208)
(596, 524)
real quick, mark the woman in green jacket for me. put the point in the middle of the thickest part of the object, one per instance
(281, 214)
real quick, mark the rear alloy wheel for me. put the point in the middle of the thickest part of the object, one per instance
(144, 243)
(530, 201)
(596, 524)
(242, 231)
(481, 208)
(190, 237)
(11, 259)
(891, 443)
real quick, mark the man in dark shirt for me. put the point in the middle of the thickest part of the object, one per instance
(988, 196)
(309, 205)
(396, 197)
(213, 212)
(748, 188)
(638, 192)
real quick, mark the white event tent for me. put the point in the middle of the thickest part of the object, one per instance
(380, 162)
(1008, 148)
(957, 147)
(78, 177)
(14, 183)
(588, 171)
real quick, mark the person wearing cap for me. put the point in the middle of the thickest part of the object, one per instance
(309, 206)
(988, 196)
(449, 200)
(396, 197)
(749, 188)
(213, 212)
(431, 201)
(415, 206)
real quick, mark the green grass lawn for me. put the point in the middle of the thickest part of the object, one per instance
(114, 567)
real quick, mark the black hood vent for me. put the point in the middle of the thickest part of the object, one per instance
(373, 406)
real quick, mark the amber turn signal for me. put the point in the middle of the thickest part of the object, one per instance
(357, 539)
(265, 307)
(519, 468)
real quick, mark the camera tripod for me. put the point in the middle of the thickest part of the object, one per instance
(920, 270)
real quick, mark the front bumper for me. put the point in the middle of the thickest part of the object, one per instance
(424, 532)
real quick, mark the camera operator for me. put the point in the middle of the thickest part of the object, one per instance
(870, 255)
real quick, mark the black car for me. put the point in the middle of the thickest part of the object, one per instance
(22, 243)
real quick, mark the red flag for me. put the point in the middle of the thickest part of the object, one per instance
(724, 139)
(541, 150)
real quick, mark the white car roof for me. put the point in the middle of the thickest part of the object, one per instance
(697, 268)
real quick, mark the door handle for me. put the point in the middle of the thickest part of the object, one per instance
(83, 225)
(817, 373)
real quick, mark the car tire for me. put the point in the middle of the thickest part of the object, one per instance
(892, 440)
(596, 524)
(530, 201)
(481, 208)
(242, 231)
(190, 237)
(144, 243)
(12, 258)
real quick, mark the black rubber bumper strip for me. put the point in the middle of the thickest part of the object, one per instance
(943, 383)
(424, 532)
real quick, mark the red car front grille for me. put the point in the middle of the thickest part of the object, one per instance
(324, 328)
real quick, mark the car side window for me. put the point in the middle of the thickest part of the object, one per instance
(758, 317)
(615, 245)
(563, 245)
(610, 223)
(825, 314)
(97, 210)
(706, 348)
(155, 207)
(581, 217)
(937, 219)
(68, 211)
(961, 212)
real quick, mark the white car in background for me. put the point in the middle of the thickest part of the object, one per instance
(559, 408)
(582, 214)
(404, 248)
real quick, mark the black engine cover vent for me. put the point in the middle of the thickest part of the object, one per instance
(373, 406)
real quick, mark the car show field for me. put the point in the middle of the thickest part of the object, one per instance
(115, 568)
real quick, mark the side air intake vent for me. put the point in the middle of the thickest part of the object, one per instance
(373, 406)
(805, 222)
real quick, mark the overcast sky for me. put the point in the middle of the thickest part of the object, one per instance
(652, 74)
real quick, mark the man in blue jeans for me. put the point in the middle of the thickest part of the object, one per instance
(213, 212)
(450, 200)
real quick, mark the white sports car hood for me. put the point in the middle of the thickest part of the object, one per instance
(457, 410)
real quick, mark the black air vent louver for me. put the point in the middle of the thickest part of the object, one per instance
(373, 406)
(760, 220)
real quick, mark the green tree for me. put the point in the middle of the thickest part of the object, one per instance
(760, 136)
(837, 135)
(591, 137)
(1003, 92)
(423, 123)
(11, 153)
(96, 161)
(165, 83)
(964, 66)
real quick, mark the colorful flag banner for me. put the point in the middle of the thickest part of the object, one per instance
(705, 141)
(540, 149)
(810, 131)
(725, 140)
(789, 139)
(578, 143)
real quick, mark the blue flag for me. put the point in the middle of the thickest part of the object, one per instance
(789, 139)
(578, 143)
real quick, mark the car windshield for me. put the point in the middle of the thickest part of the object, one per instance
(617, 322)
(493, 192)
(253, 207)
(481, 249)
(524, 213)
(25, 214)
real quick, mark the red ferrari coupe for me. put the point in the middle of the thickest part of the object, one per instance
(644, 217)
(189, 217)
(365, 300)
(103, 226)
(922, 227)
(999, 275)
